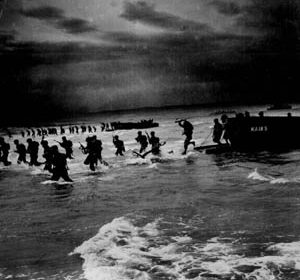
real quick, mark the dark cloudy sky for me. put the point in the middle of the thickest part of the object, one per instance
(67, 56)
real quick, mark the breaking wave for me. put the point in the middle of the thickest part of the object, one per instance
(122, 251)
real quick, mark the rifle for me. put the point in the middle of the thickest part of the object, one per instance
(82, 148)
(58, 142)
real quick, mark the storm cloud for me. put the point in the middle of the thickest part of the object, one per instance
(56, 17)
(226, 7)
(142, 12)
(183, 61)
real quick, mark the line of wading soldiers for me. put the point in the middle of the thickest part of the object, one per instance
(56, 162)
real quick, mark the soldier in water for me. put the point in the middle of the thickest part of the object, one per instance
(154, 141)
(67, 145)
(142, 139)
(48, 155)
(188, 132)
(4, 151)
(33, 150)
(119, 144)
(21, 150)
(60, 168)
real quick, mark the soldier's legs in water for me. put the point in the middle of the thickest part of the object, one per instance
(64, 174)
(55, 176)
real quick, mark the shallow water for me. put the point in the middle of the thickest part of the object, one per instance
(229, 216)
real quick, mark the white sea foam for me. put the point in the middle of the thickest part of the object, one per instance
(255, 175)
(121, 250)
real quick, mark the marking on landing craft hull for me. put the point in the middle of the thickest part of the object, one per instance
(259, 129)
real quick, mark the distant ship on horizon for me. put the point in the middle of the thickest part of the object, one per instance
(279, 106)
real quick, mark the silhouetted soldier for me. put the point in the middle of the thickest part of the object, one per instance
(247, 114)
(48, 155)
(21, 150)
(28, 132)
(67, 145)
(154, 142)
(142, 139)
(77, 129)
(217, 131)
(90, 129)
(23, 133)
(4, 151)
(60, 168)
(119, 144)
(97, 147)
(188, 132)
(62, 130)
(39, 132)
(33, 150)
(44, 132)
(91, 159)
(95, 129)
(226, 132)
(33, 132)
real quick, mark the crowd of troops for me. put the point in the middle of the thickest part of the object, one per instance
(56, 162)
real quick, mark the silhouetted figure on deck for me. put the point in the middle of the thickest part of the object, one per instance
(32, 132)
(62, 130)
(188, 132)
(119, 144)
(23, 133)
(21, 150)
(226, 133)
(217, 131)
(142, 139)
(33, 150)
(90, 129)
(4, 152)
(60, 168)
(67, 145)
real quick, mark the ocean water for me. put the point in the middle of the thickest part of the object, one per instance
(198, 216)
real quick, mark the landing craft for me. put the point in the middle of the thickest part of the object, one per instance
(274, 133)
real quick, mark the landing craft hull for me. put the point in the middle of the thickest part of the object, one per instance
(259, 133)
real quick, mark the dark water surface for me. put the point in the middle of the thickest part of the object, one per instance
(229, 216)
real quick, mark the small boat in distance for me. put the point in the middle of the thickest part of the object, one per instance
(278, 106)
(143, 124)
(258, 133)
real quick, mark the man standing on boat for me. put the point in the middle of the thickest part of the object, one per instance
(188, 132)
(226, 133)
(217, 132)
